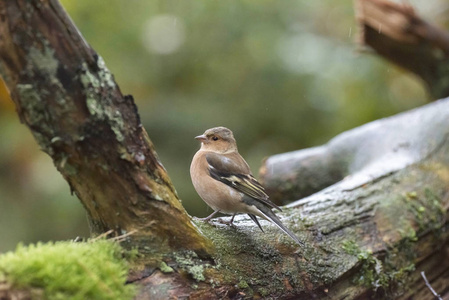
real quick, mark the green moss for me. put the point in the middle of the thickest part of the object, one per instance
(426, 208)
(93, 106)
(371, 271)
(437, 211)
(351, 247)
(243, 284)
(67, 270)
(408, 235)
(246, 256)
(263, 292)
(99, 106)
(36, 115)
(165, 268)
(189, 261)
(411, 195)
(387, 275)
(44, 59)
(197, 272)
(88, 79)
(105, 75)
(32, 102)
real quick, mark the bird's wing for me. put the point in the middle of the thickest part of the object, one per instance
(232, 170)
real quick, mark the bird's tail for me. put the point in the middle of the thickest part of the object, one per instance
(254, 218)
(269, 215)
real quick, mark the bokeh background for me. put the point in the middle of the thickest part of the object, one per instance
(283, 75)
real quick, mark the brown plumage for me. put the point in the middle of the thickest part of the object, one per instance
(224, 180)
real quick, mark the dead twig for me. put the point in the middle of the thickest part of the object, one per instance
(437, 296)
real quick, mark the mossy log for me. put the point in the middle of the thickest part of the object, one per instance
(367, 235)
(382, 188)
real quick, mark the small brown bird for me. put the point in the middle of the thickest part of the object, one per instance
(224, 181)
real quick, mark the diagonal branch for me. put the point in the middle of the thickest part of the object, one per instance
(68, 98)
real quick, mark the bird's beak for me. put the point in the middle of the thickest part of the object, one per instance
(201, 138)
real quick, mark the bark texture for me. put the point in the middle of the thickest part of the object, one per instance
(68, 98)
(398, 34)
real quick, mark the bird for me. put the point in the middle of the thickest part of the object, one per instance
(223, 179)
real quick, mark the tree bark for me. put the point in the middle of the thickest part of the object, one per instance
(68, 98)
(399, 35)
(367, 235)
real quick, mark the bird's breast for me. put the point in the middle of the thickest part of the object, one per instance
(216, 194)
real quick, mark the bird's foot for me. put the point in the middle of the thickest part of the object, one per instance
(230, 222)
(221, 221)
(208, 218)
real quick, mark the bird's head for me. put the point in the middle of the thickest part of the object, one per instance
(218, 139)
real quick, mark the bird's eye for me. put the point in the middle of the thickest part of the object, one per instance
(215, 138)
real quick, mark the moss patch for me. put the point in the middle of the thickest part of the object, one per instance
(165, 268)
(350, 247)
(426, 208)
(97, 101)
(67, 270)
(252, 264)
(189, 261)
(390, 276)
(243, 284)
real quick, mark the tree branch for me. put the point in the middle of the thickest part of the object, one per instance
(68, 98)
(398, 34)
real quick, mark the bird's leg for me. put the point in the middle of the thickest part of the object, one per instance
(207, 219)
(232, 219)
(228, 222)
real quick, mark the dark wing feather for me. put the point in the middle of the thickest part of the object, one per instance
(233, 171)
(254, 218)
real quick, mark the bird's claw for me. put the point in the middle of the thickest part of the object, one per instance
(229, 223)
(205, 220)
(224, 222)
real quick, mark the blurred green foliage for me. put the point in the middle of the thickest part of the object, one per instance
(282, 75)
